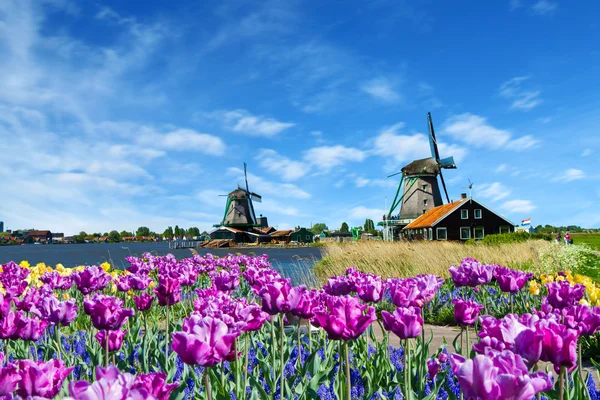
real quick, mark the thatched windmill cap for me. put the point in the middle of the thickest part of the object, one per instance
(425, 166)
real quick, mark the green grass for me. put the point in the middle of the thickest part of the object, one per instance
(590, 239)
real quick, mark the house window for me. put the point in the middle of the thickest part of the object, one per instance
(465, 233)
(478, 232)
(425, 203)
(430, 234)
(424, 188)
(424, 211)
(477, 213)
(504, 229)
(307, 237)
(441, 234)
(464, 214)
(420, 231)
(425, 234)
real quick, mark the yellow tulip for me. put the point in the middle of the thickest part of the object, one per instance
(584, 302)
(24, 264)
(105, 266)
(534, 288)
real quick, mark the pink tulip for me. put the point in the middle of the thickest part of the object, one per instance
(281, 297)
(405, 322)
(115, 339)
(43, 379)
(143, 302)
(343, 317)
(466, 312)
(106, 312)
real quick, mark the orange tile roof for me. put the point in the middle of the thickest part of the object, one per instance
(432, 216)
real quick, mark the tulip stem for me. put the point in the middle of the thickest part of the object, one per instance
(207, 384)
(298, 338)
(468, 353)
(561, 390)
(309, 337)
(407, 369)
(167, 344)
(512, 303)
(106, 349)
(348, 381)
(58, 346)
(273, 344)
(580, 361)
(281, 365)
(245, 363)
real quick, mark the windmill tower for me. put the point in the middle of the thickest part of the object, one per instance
(239, 210)
(419, 186)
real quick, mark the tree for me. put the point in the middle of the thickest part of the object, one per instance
(142, 231)
(318, 228)
(114, 237)
(168, 232)
(344, 227)
(193, 231)
(369, 225)
(80, 238)
(178, 231)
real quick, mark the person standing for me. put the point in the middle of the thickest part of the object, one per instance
(567, 238)
(558, 237)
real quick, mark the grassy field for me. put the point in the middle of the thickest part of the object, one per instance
(590, 239)
(398, 259)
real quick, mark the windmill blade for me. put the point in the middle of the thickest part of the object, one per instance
(246, 178)
(256, 197)
(444, 186)
(397, 173)
(435, 154)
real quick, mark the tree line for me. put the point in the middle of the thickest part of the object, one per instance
(368, 226)
(143, 231)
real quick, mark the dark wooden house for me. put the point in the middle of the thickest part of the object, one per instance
(281, 236)
(39, 236)
(460, 220)
(302, 235)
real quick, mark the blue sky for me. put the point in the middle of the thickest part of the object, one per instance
(119, 114)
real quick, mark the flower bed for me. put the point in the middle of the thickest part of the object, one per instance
(232, 327)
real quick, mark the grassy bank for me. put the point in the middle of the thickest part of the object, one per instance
(590, 239)
(399, 259)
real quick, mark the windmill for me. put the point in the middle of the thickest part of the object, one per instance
(239, 210)
(419, 186)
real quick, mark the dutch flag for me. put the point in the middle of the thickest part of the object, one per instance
(526, 221)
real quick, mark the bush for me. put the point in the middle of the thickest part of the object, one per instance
(513, 237)
(577, 259)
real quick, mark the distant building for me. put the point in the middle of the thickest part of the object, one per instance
(281, 236)
(39, 236)
(302, 235)
(460, 220)
(1, 226)
(58, 237)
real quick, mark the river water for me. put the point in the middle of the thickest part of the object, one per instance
(294, 263)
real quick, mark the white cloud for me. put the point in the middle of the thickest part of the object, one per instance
(241, 121)
(186, 140)
(263, 187)
(381, 89)
(544, 7)
(494, 191)
(522, 99)
(289, 170)
(327, 157)
(501, 168)
(518, 205)
(362, 182)
(384, 183)
(476, 131)
(361, 213)
(586, 153)
(402, 148)
(571, 174)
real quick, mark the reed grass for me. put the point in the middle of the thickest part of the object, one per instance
(404, 259)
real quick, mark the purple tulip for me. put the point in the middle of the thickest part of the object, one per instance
(307, 304)
(54, 311)
(123, 283)
(433, 367)
(405, 322)
(466, 311)
(139, 281)
(497, 376)
(16, 289)
(28, 328)
(249, 317)
(405, 293)
(168, 291)
(343, 317)
(471, 273)
(517, 334)
(8, 327)
(562, 295)
(143, 302)
(226, 280)
(31, 298)
(13, 278)
(155, 384)
(205, 341)
(338, 286)
(9, 378)
(91, 279)
(43, 379)
(559, 344)
(428, 286)
(510, 280)
(106, 312)
(584, 318)
(5, 303)
(110, 384)
(56, 281)
(281, 297)
(369, 288)
(115, 339)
